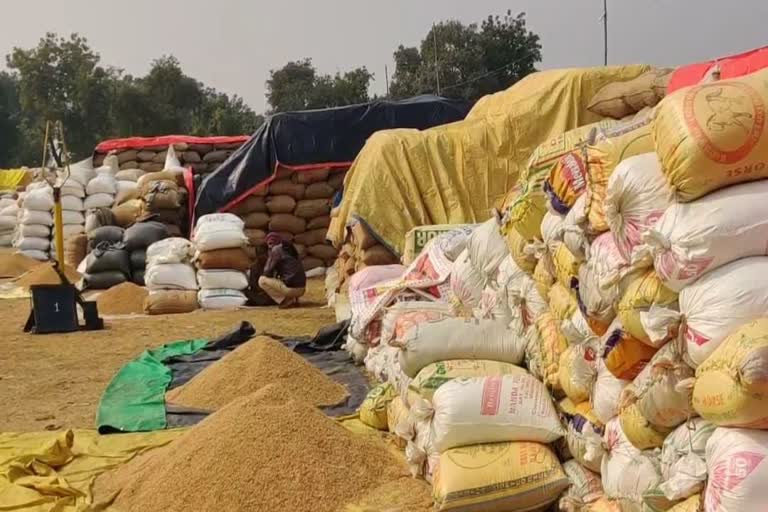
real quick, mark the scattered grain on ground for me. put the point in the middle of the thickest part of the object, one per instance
(261, 452)
(403, 495)
(252, 366)
(123, 299)
(45, 274)
(14, 265)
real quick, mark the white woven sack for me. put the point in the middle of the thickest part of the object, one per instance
(71, 217)
(30, 243)
(72, 188)
(35, 230)
(110, 167)
(467, 282)
(72, 230)
(5, 202)
(627, 473)
(82, 172)
(713, 307)
(486, 247)
(6, 239)
(171, 276)
(459, 338)
(126, 186)
(10, 211)
(221, 299)
(493, 409)
(40, 199)
(35, 255)
(102, 184)
(170, 250)
(36, 217)
(738, 471)
(395, 311)
(219, 235)
(99, 201)
(218, 218)
(636, 196)
(552, 230)
(683, 467)
(221, 278)
(600, 276)
(606, 393)
(8, 222)
(72, 203)
(574, 225)
(694, 238)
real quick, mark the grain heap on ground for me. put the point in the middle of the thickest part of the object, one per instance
(249, 368)
(14, 265)
(123, 299)
(45, 274)
(265, 452)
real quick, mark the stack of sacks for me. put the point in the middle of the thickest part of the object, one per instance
(222, 261)
(73, 194)
(128, 206)
(101, 189)
(163, 197)
(138, 237)
(33, 237)
(170, 277)
(297, 205)
(202, 158)
(107, 265)
(9, 211)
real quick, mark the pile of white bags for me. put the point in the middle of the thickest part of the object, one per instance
(9, 211)
(33, 237)
(101, 188)
(220, 287)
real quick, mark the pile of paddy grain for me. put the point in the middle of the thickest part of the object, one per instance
(250, 367)
(266, 451)
(45, 274)
(14, 265)
(123, 299)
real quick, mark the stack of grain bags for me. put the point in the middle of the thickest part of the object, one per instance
(297, 205)
(9, 211)
(361, 250)
(162, 196)
(73, 193)
(222, 261)
(170, 277)
(35, 220)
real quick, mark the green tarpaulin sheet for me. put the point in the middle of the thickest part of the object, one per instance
(134, 401)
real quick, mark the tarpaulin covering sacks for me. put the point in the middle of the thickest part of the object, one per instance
(732, 66)
(317, 138)
(493, 409)
(713, 135)
(472, 164)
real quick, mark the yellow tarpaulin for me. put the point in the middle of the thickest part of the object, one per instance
(54, 471)
(12, 178)
(455, 174)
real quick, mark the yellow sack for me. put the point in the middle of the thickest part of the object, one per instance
(527, 211)
(578, 371)
(545, 346)
(624, 355)
(519, 476)
(397, 415)
(713, 135)
(517, 248)
(431, 377)
(562, 302)
(692, 504)
(639, 431)
(584, 433)
(603, 505)
(566, 266)
(373, 410)
(731, 388)
(613, 146)
(544, 274)
(639, 295)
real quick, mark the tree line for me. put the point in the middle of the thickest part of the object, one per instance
(64, 78)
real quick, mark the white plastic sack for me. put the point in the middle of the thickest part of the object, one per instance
(636, 196)
(102, 184)
(170, 250)
(82, 172)
(527, 300)
(458, 338)
(398, 309)
(35, 254)
(40, 199)
(126, 186)
(221, 278)
(218, 218)
(606, 393)
(171, 276)
(683, 468)
(35, 230)
(72, 188)
(221, 299)
(220, 236)
(70, 217)
(586, 487)
(110, 167)
(627, 473)
(467, 282)
(574, 225)
(493, 409)
(694, 238)
(72, 203)
(172, 162)
(8, 222)
(738, 471)
(36, 217)
(713, 307)
(72, 230)
(552, 230)
(10, 211)
(5, 202)
(600, 276)
(99, 201)
(29, 243)
(487, 248)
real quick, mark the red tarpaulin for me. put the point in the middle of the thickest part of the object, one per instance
(166, 140)
(732, 66)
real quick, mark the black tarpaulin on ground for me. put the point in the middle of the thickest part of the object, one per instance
(316, 138)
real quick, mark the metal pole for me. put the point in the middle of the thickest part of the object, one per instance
(437, 69)
(605, 32)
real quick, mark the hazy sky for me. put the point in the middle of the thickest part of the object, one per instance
(232, 45)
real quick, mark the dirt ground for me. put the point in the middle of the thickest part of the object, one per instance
(54, 381)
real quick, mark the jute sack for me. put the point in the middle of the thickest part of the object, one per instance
(127, 213)
(127, 155)
(323, 252)
(493, 409)
(713, 135)
(311, 208)
(191, 157)
(361, 237)
(147, 179)
(622, 99)
(308, 177)
(280, 204)
(165, 302)
(311, 236)
(311, 263)
(691, 239)
(234, 258)
(217, 156)
(378, 255)
(731, 387)
(145, 155)
(432, 376)
(336, 180)
(287, 222)
(256, 220)
(497, 477)
(75, 249)
(287, 188)
(320, 190)
(319, 223)
(249, 205)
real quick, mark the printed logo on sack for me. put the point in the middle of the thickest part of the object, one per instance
(728, 475)
(478, 456)
(574, 172)
(733, 112)
(491, 396)
(692, 336)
